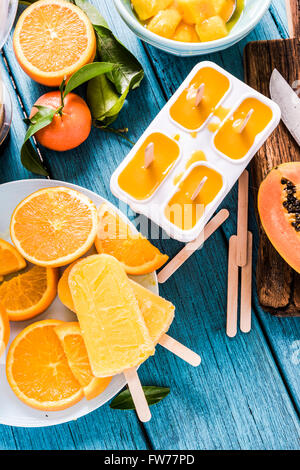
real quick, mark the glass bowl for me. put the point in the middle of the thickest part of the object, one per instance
(252, 14)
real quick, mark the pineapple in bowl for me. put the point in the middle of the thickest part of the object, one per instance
(191, 27)
(187, 20)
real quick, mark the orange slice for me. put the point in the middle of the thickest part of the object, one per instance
(4, 330)
(30, 293)
(10, 259)
(54, 226)
(134, 251)
(76, 353)
(38, 371)
(52, 40)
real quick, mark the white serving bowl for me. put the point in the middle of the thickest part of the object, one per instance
(8, 10)
(252, 14)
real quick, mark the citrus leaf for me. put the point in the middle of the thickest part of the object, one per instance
(41, 119)
(30, 159)
(104, 102)
(91, 12)
(153, 395)
(86, 73)
(129, 72)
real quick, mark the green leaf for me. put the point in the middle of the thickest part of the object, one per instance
(104, 102)
(41, 119)
(31, 161)
(91, 12)
(130, 72)
(86, 73)
(153, 395)
(29, 156)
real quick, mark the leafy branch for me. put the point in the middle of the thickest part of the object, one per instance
(115, 73)
(44, 116)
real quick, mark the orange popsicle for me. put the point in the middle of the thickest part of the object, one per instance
(113, 328)
(181, 210)
(235, 144)
(185, 111)
(141, 182)
(158, 313)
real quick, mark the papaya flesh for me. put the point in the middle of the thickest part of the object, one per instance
(279, 211)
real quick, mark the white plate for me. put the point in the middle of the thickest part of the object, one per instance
(12, 411)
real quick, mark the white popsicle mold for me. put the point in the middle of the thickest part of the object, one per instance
(230, 169)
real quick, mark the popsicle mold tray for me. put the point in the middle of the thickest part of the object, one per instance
(170, 135)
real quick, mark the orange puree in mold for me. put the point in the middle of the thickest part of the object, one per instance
(221, 112)
(185, 112)
(140, 182)
(181, 210)
(235, 145)
(213, 126)
(197, 156)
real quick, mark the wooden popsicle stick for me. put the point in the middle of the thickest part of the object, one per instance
(149, 154)
(200, 94)
(232, 289)
(191, 247)
(240, 127)
(199, 187)
(242, 220)
(180, 350)
(289, 14)
(246, 290)
(138, 396)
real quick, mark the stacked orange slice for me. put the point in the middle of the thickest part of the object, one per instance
(135, 252)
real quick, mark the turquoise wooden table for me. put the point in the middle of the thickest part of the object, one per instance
(245, 395)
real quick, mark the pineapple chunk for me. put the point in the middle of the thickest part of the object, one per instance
(224, 8)
(211, 29)
(186, 33)
(196, 11)
(145, 9)
(165, 23)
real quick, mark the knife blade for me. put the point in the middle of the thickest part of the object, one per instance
(283, 94)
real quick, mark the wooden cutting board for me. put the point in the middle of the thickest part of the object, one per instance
(278, 285)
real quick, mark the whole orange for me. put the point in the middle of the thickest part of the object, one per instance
(68, 129)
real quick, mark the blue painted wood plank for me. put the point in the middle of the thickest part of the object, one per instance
(102, 429)
(237, 398)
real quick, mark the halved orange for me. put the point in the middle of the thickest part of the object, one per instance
(135, 252)
(38, 371)
(28, 294)
(10, 259)
(54, 226)
(4, 329)
(76, 353)
(52, 40)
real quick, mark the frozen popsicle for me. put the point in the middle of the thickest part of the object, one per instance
(200, 99)
(113, 328)
(149, 166)
(158, 314)
(112, 325)
(237, 134)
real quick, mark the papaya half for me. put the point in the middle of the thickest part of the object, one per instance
(279, 210)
